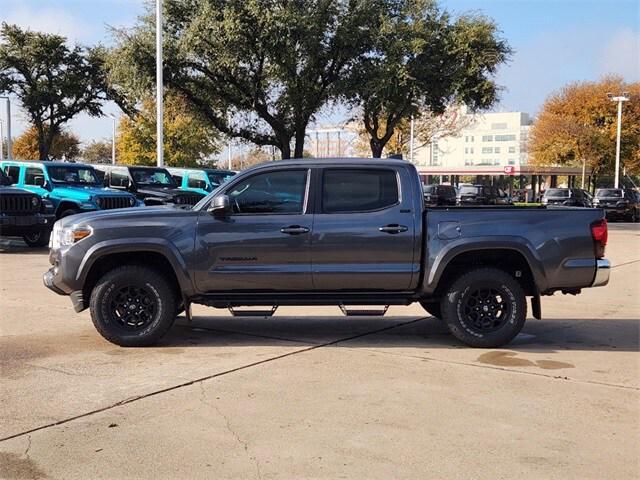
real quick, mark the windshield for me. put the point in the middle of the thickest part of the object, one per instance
(152, 176)
(469, 189)
(218, 178)
(73, 174)
(429, 188)
(557, 192)
(609, 192)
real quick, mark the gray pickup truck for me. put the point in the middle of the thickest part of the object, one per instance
(347, 232)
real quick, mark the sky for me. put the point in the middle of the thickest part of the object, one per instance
(555, 42)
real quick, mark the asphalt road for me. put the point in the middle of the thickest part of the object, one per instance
(312, 394)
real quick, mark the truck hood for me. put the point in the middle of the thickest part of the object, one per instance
(15, 191)
(158, 192)
(81, 192)
(123, 214)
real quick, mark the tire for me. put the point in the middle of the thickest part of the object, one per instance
(121, 290)
(484, 308)
(68, 211)
(432, 308)
(39, 238)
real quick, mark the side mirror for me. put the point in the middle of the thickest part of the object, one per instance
(201, 184)
(38, 181)
(220, 206)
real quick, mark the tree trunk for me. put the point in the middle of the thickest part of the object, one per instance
(43, 151)
(285, 149)
(376, 147)
(299, 146)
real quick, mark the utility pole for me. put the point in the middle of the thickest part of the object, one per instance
(113, 138)
(9, 146)
(619, 98)
(229, 144)
(411, 141)
(159, 87)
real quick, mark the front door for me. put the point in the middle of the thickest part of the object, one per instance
(264, 243)
(364, 232)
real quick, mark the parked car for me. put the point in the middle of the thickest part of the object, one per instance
(618, 203)
(325, 232)
(150, 185)
(438, 195)
(71, 187)
(482, 195)
(203, 180)
(24, 214)
(568, 197)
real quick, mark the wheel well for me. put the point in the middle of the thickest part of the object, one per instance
(62, 206)
(151, 259)
(510, 261)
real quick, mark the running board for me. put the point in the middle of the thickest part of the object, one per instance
(363, 311)
(236, 312)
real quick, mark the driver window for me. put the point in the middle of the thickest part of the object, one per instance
(279, 192)
(196, 180)
(119, 178)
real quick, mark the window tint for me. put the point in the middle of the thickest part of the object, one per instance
(345, 190)
(34, 176)
(119, 178)
(197, 180)
(12, 171)
(273, 192)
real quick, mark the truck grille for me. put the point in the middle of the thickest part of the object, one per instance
(107, 203)
(190, 199)
(18, 204)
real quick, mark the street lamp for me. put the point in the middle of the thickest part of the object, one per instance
(159, 87)
(619, 98)
(9, 146)
(1, 143)
(113, 138)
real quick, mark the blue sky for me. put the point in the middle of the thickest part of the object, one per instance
(555, 42)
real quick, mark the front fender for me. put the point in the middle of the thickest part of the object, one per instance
(436, 265)
(128, 245)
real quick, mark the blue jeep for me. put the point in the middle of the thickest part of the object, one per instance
(71, 187)
(201, 180)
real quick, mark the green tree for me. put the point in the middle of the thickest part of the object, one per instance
(579, 123)
(54, 82)
(422, 61)
(97, 152)
(65, 145)
(188, 139)
(272, 65)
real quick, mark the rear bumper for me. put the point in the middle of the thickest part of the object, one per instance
(603, 267)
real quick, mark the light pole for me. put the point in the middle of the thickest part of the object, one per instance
(619, 98)
(159, 87)
(411, 141)
(9, 146)
(1, 143)
(113, 138)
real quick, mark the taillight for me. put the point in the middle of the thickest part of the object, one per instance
(600, 235)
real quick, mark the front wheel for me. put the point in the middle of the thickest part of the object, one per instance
(133, 306)
(38, 238)
(484, 308)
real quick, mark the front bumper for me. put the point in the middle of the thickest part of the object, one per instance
(603, 268)
(26, 222)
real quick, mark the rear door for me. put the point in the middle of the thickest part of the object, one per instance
(363, 233)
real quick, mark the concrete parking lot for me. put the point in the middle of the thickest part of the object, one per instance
(312, 394)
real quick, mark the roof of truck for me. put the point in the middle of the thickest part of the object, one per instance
(365, 162)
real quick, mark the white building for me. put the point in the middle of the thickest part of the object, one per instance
(491, 139)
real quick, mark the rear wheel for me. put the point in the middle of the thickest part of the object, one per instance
(38, 238)
(484, 308)
(133, 306)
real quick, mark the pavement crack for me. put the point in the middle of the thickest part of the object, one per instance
(209, 377)
(26, 452)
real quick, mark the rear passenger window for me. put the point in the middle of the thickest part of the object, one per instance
(350, 190)
(119, 178)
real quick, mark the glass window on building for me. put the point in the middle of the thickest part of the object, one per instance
(496, 150)
(505, 138)
(512, 149)
(512, 161)
(498, 126)
(496, 161)
(468, 161)
(487, 149)
(487, 138)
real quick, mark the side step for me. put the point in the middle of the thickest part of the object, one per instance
(252, 313)
(363, 311)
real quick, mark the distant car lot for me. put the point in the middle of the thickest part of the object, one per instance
(314, 394)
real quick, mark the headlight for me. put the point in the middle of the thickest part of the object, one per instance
(178, 200)
(63, 237)
(34, 201)
(132, 201)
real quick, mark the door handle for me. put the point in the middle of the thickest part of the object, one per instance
(294, 230)
(393, 228)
